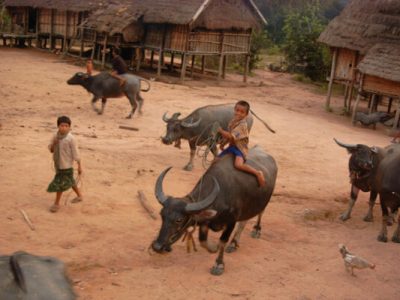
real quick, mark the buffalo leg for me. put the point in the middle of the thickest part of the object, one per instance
(382, 237)
(372, 198)
(94, 100)
(103, 105)
(256, 233)
(219, 265)
(132, 101)
(234, 244)
(396, 234)
(353, 198)
(203, 238)
(140, 101)
(192, 145)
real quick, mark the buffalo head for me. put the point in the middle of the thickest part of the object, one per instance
(79, 78)
(177, 214)
(176, 127)
(362, 161)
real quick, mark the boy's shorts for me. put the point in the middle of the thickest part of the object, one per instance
(231, 149)
(63, 180)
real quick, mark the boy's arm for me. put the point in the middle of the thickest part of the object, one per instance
(53, 143)
(75, 155)
(225, 134)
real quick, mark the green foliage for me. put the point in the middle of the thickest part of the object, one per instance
(5, 20)
(259, 41)
(302, 51)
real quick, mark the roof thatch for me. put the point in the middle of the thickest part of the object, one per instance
(382, 60)
(364, 23)
(71, 5)
(115, 15)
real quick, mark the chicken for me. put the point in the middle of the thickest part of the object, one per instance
(352, 261)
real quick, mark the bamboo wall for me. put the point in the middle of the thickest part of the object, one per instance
(45, 21)
(176, 38)
(154, 36)
(379, 85)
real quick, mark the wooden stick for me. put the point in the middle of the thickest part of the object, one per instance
(129, 128)
(27, 219)
(146, 206)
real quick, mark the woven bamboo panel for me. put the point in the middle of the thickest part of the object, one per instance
(45, 21)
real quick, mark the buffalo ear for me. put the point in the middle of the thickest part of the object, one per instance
(205, 214)
(374, 149)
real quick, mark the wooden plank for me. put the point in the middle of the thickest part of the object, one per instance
(333, 67)
(397, 116)
(183, 68)
(103, 59)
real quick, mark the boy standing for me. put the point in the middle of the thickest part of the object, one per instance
(65, 152)
(238, 139)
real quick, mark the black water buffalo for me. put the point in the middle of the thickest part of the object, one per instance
(197, 127)
(222, 197)
(375, 170)
(104, 86)
(29, 277)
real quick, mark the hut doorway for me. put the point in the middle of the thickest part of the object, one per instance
(32, 18)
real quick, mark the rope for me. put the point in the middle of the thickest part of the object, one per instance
(210, 142)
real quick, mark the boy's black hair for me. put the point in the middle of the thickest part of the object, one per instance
(63, 119)
(245, 104)
(116, 51)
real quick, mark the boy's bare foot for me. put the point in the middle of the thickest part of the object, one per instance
(260, 178)
(76, 200)
(54, 208)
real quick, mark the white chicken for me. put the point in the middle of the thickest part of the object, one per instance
(352, 261)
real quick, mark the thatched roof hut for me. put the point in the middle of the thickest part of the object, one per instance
(365, 39)
(70, 5)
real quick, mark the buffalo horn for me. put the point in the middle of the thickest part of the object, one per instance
(174, 117)
(159, 190)
(347, 146)
(195, 207)
(186, 124)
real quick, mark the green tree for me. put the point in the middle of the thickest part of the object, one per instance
(302, 51)
(259, 41)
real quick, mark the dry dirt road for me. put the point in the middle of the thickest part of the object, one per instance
(103, 241)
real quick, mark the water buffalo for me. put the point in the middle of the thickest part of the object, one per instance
(104, 86)
(222, 197)
(375, 170)
(29, 277)
(197, 127)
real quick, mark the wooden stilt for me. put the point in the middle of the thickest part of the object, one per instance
(138, 58)
(224, 67)
(390, 105)
(52, 29)
(397, 116)
(37, 28)
(172, 61)
(151, 59)
(183, 68)
(246, 68)
(192, 66)
(203, 63)
(346, 94)
(333, 67)
(159, 64)
(103, 59)
(94, 45)
(353, 117)
(64, 44)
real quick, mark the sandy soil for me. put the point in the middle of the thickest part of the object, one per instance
(103, 241)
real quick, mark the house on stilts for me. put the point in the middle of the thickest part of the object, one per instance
(160, 30)
(365, 42)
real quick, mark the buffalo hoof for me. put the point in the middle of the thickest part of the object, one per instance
(344, 217)
(255, 234)
(368, 218)
(188, 167)
(129, 117)
(382, 238)
(99, 112)
(217, 269)
(233, 246)
(396, 239)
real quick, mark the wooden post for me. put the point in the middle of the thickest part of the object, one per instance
(151, 59)
(397, 116)
(82, 42)
(37, 27)
(372, 103)
(64, 46)
(103, 60)
(138, 58)
(203, 63)
(172, 61)
(192, 66)
(94, 45)
(353, 116)
(390, 105)
(51, 29)
(221, 56)
(353, 79)
(333, 67)
(246, 68)
(159, 63)
(224, 67)
(346, 93)
(183, 68)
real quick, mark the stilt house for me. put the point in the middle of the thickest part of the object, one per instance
(365, 42)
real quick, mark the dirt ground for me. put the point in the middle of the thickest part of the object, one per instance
(103, 240)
